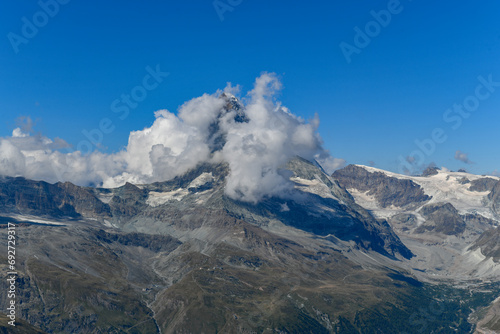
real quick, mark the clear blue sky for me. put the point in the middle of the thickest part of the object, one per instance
(393, 92)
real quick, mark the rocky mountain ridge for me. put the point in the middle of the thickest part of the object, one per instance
(355, 252)
(449, 220)
(181, 249)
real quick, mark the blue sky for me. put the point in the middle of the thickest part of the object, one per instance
(393, 92)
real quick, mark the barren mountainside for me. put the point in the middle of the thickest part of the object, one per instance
(182, 256)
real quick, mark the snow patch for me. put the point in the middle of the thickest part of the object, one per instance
(284, 207)
(315, 186)
(36, 220)
(159, 198)
(105, 198)
(201, 180)
(107, 223)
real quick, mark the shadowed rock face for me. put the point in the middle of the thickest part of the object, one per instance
(442, 218)
(216, 138)
(42, 198)
(494, 197)
(344, 218)
(483, 184)
(386, 190)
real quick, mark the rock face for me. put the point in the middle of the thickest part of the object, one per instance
(442, 218)
(343, 218)
(217, 139)
(483, 184)
(386, 190)
(57, 200)
(494, 197)
(429, 171)
(126, 201)
(489, 243)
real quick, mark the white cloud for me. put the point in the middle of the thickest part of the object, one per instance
(256, 150)
(461, 156)
(255, 146)
(12, 160)
(17, 132)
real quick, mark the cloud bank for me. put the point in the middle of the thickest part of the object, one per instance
(255, 143)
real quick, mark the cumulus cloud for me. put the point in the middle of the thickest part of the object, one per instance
(255, 143)
(255, 150)
(461, 156)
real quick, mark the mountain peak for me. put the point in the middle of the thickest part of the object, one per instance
(236, 111)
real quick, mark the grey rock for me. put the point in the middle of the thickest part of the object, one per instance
(442, 218)
(41, 198)
(483, 184)
(386, 190)
(489, 243)
(494, 197)
(429, 171)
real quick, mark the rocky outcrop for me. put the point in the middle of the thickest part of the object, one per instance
(489, 243)
(442, 218)
(127, 201)
(56, 200)
(494, 197)
(386, 190)
(483, 184)
(407, 220)
(430, 171)
(217, 138)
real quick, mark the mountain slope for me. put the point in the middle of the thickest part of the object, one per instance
(444, 212)
(449, 220)
(180, 256)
